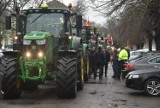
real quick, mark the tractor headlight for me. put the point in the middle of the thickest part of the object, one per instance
(28, 54)
(26, 42)
(15, 37)
(41, 42)
(40, 54)
(70, 37)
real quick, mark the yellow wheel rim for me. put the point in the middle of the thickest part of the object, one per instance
(88, 66)
(82, 68)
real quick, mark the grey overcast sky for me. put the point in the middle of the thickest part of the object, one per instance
(93, 16)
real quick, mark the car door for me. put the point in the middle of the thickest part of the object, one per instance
(147, 63)
(155, 62)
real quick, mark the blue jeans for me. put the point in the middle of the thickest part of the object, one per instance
(116, 68)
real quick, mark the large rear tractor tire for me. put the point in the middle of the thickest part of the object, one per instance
(66, 77)
(11, 84)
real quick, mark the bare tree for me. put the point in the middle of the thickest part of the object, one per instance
(147, 11)
(80, 7)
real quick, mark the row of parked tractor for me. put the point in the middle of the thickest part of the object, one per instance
(47, 46)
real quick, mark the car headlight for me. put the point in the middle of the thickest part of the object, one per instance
(40, 54)
(133, 76)
(26, 42)
(41, 42)
(28, 54)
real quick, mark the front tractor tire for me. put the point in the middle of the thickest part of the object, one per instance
(66, 77)
(11, 84)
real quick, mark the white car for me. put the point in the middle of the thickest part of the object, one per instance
(136, 53)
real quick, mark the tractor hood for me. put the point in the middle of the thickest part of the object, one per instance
(36, 35)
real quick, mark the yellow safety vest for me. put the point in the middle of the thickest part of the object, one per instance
(123, 55)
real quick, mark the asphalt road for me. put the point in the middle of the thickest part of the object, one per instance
(108, 93)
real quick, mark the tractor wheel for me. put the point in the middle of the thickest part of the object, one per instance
(11, 84)
(80, 70)
(66, 77)
(87, 69)
(30, 85)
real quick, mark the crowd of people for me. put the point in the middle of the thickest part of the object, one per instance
(100, 59)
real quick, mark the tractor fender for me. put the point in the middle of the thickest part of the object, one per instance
(13, 53)
(62, 53)
(84, 47)
(77, 42)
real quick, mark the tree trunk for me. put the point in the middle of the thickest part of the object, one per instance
(141, 45)
(150, 44)
(0, 40)
(138, 46)
(157, 40)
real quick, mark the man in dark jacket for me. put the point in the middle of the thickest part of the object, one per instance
(99, 62)
(92, 61)
(106, 55)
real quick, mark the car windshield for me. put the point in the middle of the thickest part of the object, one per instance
(48, 22)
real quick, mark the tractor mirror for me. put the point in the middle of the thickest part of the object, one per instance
(79, 22)
(8, 22)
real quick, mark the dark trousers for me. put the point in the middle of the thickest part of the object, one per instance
(100, 67)
(92, 68)
(115, 69)
(121, 67)
(105, 69)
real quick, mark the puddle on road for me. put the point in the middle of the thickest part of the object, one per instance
(93, 92)
(96, 82)
(113, 105)
(121, 100)
(136, 105)
(118, 92)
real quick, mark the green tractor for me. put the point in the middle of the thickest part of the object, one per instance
(44, 48)
(86, 44)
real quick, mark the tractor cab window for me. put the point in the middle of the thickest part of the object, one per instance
(48, 22)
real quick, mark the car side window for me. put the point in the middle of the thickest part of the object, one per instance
(155, 60)
(158, 60)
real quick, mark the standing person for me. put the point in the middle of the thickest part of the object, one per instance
(122, 58)
(106, 55)
(128, 51)
(98, 57)
(92, 61)
(115, 62)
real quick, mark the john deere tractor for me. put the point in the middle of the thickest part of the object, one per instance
(44, 48)
(85, 35)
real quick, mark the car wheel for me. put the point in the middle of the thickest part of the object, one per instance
(152, 87)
